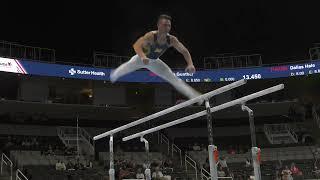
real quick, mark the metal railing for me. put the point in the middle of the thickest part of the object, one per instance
(87, 137)
(314, 53)
(232, 61)
(68, 135)
(15, 50)
(268, 134)
(101, 59)
(20, 175)
(292, 133)
(61, 135)
(189, 161)
(164, 139)
(225, 178)
(277, 130)
(205, 175)
(5, 160)
(176, 149)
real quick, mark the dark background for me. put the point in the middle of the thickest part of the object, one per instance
(280, 30)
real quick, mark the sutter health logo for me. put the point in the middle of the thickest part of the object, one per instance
(73, 71)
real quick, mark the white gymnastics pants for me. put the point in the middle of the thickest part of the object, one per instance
(158, 67)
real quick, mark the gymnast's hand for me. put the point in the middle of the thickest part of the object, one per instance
(190, 68)
(145, 61)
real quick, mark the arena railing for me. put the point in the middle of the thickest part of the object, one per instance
(16, 50)
(176, 149)
(233, 61)
(6, 161)
(189, 161)
(20, 175)
(205, 175)
(165, 140)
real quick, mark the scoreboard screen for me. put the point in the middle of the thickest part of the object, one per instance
(216, 75)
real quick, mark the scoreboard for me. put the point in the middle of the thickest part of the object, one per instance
(21, 66)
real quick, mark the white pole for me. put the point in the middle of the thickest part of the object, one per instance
(147, 171)
(202, 113)
(213, 162)
(174, 108)
(111, 169)
(256, 163)
(254, 149)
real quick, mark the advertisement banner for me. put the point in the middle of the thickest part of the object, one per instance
(145, 76)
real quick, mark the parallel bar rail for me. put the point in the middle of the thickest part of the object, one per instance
(173, 108)
(202, 113)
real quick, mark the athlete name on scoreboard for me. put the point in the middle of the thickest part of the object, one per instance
(300, 67)
(183, 74)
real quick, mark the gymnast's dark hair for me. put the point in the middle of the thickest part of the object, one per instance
(164, 16)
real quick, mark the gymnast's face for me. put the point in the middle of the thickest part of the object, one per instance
(164, 25)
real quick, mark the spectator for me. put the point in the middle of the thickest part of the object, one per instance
(89, 164)
(221, 172)
(139, 174)
(223, 163)
(295, 170)
(168, 163)
(316, 172)
(63, 166)
(278, 175)
(123, 173)
(286, 174)
(145, 165)
(157, 174)
(70, 165)
(78, 165)
(60, 166)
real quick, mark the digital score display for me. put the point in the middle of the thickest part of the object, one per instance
(270, 72)
(145, 76)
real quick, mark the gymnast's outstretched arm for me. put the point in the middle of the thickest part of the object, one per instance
(184, 51)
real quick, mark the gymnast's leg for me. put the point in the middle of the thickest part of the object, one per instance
(133, 64)
(163, 70)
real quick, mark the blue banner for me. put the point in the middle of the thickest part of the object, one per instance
(218, 75)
